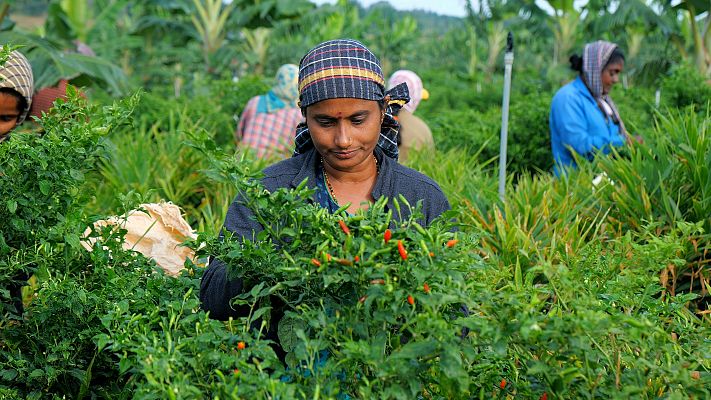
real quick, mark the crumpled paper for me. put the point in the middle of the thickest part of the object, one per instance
(156, 233)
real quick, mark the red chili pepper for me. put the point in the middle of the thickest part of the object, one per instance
(401, 250)
(387, 235)
(544, 396)
(315, 262)
(241, 346)
(357, 258)
(362, 299)
(411, 300)
(502, 384)
(452, 242)
(344, 227)
(426, 288)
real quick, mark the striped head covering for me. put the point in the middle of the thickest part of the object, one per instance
(345, 68)
(414, 86)
(284, 93)
(16, 74)
(595, 57)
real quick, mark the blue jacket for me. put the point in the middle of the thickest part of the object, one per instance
(577, 123)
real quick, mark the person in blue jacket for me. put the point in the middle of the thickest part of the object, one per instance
(583, 117)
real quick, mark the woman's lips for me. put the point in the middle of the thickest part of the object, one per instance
(344, 155)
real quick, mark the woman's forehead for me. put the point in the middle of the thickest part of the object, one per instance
(343, 106)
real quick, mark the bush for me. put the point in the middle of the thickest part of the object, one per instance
(686, 87)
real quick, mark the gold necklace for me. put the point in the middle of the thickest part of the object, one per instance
(328, 183)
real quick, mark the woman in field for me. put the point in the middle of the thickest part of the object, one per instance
(414, 132)
(267, 122)
(346, 149)
(16, 87)
(583, 117)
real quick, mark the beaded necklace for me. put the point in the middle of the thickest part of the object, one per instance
(328, 183)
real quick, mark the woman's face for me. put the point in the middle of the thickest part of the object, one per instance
(9, 113)
(611, 75)
(345, 131)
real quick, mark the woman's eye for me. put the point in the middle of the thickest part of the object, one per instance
(325, 123)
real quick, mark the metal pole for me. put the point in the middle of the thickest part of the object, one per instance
(508, 63)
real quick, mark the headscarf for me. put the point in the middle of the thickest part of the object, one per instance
(284, 93)
(345, 68)
(414, 86)
(595, 57)
(16, 74)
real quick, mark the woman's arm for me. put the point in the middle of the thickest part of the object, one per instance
(216, 288)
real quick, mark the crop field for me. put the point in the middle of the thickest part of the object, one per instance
(590, 285)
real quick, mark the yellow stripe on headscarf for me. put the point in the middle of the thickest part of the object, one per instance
(345, 72)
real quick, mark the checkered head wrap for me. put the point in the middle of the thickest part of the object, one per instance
(16, 74)
(595, 58)
(345, 68)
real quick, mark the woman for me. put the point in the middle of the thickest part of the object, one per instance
(414, 133)
(347, 149)
(268, 121)
(583, 117)
(16, 87)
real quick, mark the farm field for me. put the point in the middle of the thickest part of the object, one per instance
(590, 285)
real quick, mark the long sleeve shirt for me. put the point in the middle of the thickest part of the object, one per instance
(577, 124)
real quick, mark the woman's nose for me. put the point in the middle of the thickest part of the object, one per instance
(343, 136)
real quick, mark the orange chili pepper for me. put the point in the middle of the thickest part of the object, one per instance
(241, 346)
(344, 227)
(315, 262)
(452, 242)
(426, 288)
(411, 300)
(401, 250)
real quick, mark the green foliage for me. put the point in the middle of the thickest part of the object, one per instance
(42, 178)
(528, 134)
(686, 87)
(558, 302)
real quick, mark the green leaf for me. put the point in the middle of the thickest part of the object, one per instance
(12, 206)
(44, 187)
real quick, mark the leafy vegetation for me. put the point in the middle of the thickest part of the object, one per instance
(595, 285)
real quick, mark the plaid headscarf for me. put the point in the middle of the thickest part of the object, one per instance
(345, 68)
(284, 93)
(16, 74)
(595, 57)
